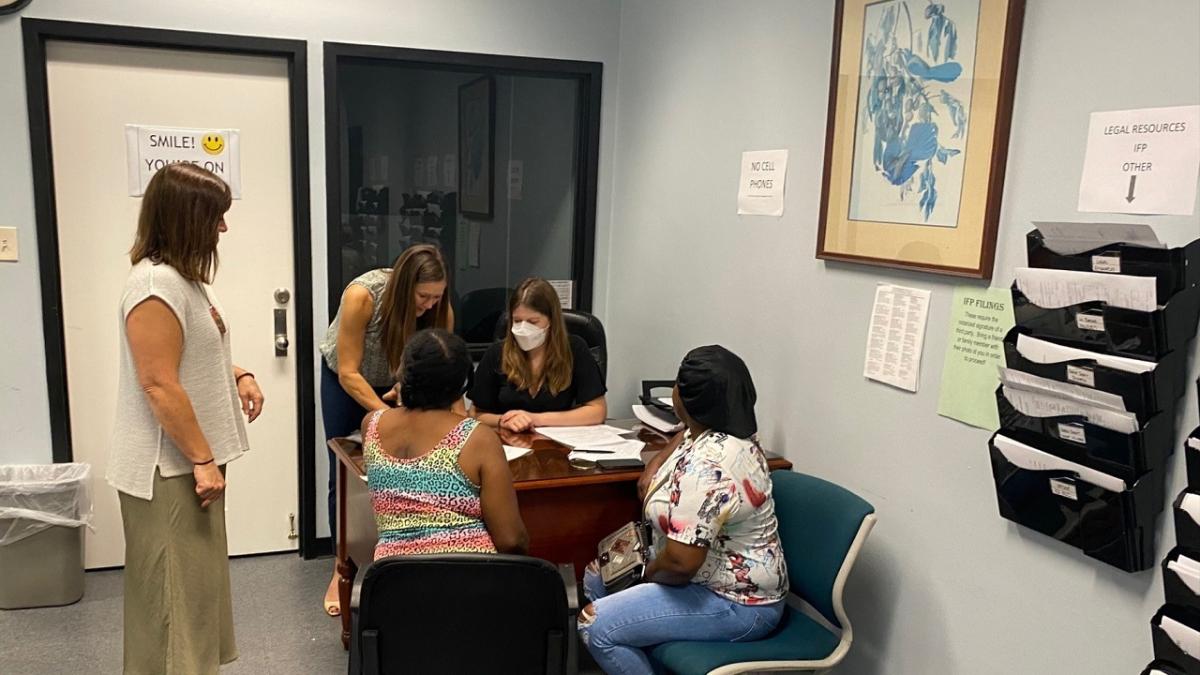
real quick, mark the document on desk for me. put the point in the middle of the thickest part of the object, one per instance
(1028, 457)
(355, 437)
(625, 449)
(896, 336)
(1041, 351)
(1051, 288)
(656, 419)
(1072, 238)
(512, 452)
(575, 437)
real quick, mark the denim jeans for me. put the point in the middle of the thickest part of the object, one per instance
(342, 416)
(649, 614)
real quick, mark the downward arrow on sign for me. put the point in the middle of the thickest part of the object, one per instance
(1132, 182)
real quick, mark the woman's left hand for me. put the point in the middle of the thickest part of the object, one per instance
(251, 396)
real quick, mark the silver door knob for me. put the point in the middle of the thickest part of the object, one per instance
(281, 344)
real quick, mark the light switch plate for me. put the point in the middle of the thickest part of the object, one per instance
(8, 244)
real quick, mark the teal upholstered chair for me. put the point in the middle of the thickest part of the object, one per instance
(823, 527)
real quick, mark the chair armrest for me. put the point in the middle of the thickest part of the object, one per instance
(567, 572)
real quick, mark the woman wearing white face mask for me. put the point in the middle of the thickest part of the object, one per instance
(538, 375)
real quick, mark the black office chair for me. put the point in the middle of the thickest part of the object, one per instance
(476, 316)
(578, 323)
(464, 613)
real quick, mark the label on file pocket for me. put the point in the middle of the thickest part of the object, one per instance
(1090, 321)
(1064, 489)
(1072, 432)
(1079, 375)
(1106, 263)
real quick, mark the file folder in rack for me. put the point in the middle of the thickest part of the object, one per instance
(1191, 450)
(1181, 583)
(1174, 269)
(1108, 519)
(1176, 636)
(1072, 437)
(1117, 330)
(1160, 667)
(1144, 393)
(1186, 510)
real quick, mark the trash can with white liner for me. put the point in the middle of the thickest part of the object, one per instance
(43, 509)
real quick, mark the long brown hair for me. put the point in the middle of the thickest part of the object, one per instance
(420, 264)
(537, 294)
(177, 225)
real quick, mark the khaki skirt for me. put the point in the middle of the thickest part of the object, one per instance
(178, 609)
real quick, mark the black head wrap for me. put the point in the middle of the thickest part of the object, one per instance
(716, 390)
(436, 370)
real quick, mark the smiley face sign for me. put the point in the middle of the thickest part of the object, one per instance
(213, 143)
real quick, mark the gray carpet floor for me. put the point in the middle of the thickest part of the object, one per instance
(277, 616)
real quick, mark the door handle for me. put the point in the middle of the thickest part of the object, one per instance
(282, 296)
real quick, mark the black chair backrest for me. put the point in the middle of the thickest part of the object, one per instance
(578, 323)
(462, 613)
(476, 314)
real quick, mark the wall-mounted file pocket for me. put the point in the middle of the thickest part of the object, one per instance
(1181, 579)
(1160, 667)
(1186, 509)
(1103, 327)
(1191, 451)
(1098, 513)
(1072, 437)
(1174, 269)
(1176, 635)
(1146, 387)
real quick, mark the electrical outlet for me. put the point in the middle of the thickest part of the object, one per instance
(8, 244)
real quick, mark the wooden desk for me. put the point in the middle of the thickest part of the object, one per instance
(567, 508)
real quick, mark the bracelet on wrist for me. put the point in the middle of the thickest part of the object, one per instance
(245, 374)
(210, 460)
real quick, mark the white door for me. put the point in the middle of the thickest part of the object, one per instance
(94, 91)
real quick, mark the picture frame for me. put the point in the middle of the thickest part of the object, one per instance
(477, 147)
(920, 106)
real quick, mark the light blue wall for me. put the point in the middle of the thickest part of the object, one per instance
(945, 585)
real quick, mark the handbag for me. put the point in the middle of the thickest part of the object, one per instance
(622, 555)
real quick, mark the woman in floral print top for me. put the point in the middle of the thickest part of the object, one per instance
(718, 572)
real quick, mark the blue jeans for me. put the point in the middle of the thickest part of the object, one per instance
(649, 614)
(342, 416)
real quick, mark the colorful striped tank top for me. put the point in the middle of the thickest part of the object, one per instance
(425, 504)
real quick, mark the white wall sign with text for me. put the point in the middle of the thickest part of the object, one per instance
(149, 149)
(1142, 161)
(760, 188)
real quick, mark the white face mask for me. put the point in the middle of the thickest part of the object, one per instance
(529, 337)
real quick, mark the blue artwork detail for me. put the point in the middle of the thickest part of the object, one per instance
(904, 78)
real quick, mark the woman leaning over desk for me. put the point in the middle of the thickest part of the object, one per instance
(361, 352)
(538, 375)
(718, 571)
(179, 406)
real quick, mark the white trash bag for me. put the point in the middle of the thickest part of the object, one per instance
(35, 496)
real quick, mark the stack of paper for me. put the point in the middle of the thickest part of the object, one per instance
(656, 419)
(595, 442)
(1041, 351)
(1039, 397)
(1051, 288)
(1072, 238)
(1031, 458)
(512, 452)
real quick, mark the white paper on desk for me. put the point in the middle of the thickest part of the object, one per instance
(1028, 381)
(1191, 505)
(1041, 351)
(626, 449)
(1033, 459)
(1185, 636)
(512, 452)
(1051, 288)
(355, 437)
(896, 336)
(1037, 404)
(656, 420)
(1071, 238)
(590, 436)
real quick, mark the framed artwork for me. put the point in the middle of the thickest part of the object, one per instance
(920, 102)
(476, 147)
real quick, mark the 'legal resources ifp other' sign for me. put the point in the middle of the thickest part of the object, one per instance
(149, 149)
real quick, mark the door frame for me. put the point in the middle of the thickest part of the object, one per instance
(588, 73)
(36, 33)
